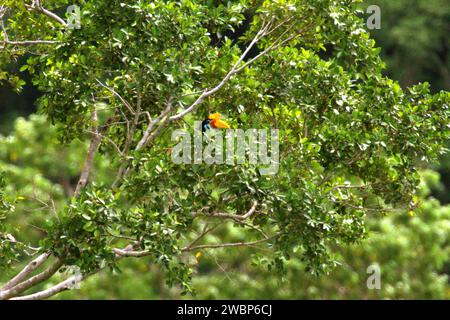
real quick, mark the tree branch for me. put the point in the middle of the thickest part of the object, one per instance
(226, 245)
(264, 31)
(37, 6)
(28, 42)
(95, 143)
(29, 268)
(125, 103)
(145, 138)
(62, 286)
(206, 93)
(230, 216)
(44, 275)
(277, 43)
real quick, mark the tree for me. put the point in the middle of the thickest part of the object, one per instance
(411, 251)
(351, 139)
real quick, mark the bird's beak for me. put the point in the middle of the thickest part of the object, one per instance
(221, 124)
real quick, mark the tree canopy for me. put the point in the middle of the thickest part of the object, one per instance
(351, 139)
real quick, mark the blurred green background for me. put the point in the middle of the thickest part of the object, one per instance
(411, 249)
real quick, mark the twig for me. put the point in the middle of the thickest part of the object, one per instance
(95, 143)
(229, 215)
(126, 103)
(145, 137)
(205, 231)
(206, 93)
(29, 42)
(37, 6)
(237, 68)
(107, 138)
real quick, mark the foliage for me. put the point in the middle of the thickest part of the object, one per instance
(352, 140)
(411, 250)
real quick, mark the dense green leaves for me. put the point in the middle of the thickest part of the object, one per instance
(351, 139)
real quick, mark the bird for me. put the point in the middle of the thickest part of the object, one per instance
(213, 121)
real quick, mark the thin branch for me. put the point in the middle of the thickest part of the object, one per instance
(230, 216)
(66, 284)
(44, 275)
(109, 140)
(277, 43)
(37, 6)
(190, 247)
(146, 136)
(132, 130)
(29, 268)
(62, 286)
(126, 103)
(348, 186)
(28, 42)
(227, 245)
(95, 143)
(206, 93)
(237, 68)
(131, 253)
(205, 231)
(12, 240)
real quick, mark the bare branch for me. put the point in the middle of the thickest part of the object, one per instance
(190, 247)
(107, 138)
(132, 129)
(6, 40)
(230, 216)
(264, 31)
(28, 42)
(275, 45)
(37, 6)
(131, 253)
(206, 93)
(145, 138)
(348, 186)
(62, 286)
(205, 231)
(95, 143)
(44, 275)
(227, 245)
(126, 103)
(29, 268)
(2, 12)
(10, 238)
(66, 284)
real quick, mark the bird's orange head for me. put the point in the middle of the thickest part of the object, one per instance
(214, 116)
(215, 122)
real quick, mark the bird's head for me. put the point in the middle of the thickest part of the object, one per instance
(213, 121)
(214, 116)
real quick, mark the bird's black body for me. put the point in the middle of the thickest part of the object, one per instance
(206, 125)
